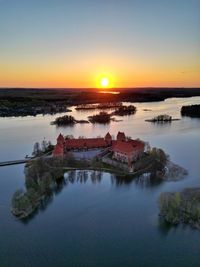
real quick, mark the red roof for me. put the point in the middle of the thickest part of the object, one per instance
(137, 144)
(121, 136)
(123, 147)
(128, 147)
(58, 150)
(119, 145)
(83, 142)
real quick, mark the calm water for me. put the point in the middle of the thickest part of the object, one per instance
(100, 222)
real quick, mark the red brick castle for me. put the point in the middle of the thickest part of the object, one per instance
(124, 149)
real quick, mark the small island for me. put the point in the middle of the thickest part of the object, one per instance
(108, 105)
(181, 207)
(67, 120)
(102, 117)
(122, 156)
(125, 110)
(164, 118)
(191, 111)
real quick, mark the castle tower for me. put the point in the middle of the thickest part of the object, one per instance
(121, 136)
(108, 139)
(60, 139)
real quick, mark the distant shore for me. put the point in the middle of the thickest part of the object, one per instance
(24, 102)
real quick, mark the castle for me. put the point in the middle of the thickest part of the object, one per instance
(124, 149)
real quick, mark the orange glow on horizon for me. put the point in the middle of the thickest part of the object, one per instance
(112, 74)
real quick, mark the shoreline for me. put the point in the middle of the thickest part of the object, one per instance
(26, 202)
(33, 102)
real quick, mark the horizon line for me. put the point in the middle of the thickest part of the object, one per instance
(107, 89)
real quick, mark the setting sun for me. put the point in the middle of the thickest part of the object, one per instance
(104, 82)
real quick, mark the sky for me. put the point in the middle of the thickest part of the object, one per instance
(72, 43)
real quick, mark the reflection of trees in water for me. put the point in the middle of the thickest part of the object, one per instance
(96, 176)
(41, 188)
(166, 228)
(82, 176)
(121, 180)
(59, 185)
(144, 180)
(71, 176)
(148, 180)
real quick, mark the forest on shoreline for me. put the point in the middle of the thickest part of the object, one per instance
(23, 102)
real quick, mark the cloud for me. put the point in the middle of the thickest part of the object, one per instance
(189, 71)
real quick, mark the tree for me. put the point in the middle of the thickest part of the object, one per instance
(49, 144)
(36, 149)
(147, 147)
(69, 136)
(20, 201)
(45, 182)
(44, 145)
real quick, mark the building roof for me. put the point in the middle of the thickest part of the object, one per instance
(137, 144)
(83, 142)
(119, 145)
(123, 147)
(121, 136)
(128, 147)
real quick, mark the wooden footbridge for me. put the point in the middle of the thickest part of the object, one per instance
(14, 162)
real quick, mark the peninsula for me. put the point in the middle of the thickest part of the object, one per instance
(191, 111)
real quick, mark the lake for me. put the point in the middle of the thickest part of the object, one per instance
(95, 219)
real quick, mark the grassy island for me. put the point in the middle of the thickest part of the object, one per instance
(181, 207)
(162, 119)
(64, 120)
(102, 117)
(67, 120)
(125, 110)
(191, 111)
(109, 105)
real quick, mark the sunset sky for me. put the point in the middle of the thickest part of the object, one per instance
(57, 43)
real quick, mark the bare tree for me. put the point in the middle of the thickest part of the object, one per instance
(36, 149)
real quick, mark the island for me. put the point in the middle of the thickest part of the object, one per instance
(191, 111)
(122, 156)
(125, 110)
(102, 117)
(109, 105)
(181, 207)
(67, 120)
(164, 118)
